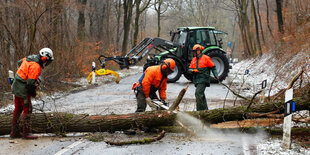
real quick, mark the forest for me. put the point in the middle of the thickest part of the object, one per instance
(78, 31)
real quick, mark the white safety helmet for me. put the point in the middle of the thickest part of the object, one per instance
(48, 53)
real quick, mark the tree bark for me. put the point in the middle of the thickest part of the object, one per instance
(279, 15)
(128, 6)
(267, 17)
(139, 11)
(66, 122)
(118, 21)
(81, 20)
(244, 25)
(260, 22)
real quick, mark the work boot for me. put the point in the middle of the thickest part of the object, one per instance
(29, 136)
(27, 130)
(27, 133)
(15, 133)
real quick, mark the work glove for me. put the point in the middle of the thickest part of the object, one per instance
(193, 70)
(148, 100)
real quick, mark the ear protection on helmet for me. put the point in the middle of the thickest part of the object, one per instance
(43, 59)
(165, 65)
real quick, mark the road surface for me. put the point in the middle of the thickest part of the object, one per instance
(119, 99)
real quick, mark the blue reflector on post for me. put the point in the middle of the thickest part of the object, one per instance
(293, 106)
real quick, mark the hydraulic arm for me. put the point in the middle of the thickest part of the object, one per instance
(139, 51)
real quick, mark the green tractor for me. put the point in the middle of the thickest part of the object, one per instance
(186, 38)
(178, 48)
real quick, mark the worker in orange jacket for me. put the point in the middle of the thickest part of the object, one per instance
(200, 66)
(24, 87)
(154, 78)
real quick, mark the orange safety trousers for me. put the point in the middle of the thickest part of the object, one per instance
(21, 105)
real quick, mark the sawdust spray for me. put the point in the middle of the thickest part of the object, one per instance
(204, 133)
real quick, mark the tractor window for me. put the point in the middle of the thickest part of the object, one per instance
(212, 37)
(205, 38)
(198, 37)
(181, 38)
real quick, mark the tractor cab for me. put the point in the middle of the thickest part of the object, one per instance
(187, 37)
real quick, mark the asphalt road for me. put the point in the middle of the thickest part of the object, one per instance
(119, 99)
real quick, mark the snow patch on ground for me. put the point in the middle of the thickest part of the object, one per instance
(247, 76)
(273, 146)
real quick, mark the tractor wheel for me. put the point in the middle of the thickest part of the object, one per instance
(175, 76)
(222, 64)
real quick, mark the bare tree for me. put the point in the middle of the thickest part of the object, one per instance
(81, 21)
(127, 6)
(118, 21)
(267, 17)
(256, 28)
(139, 11)
(160, 7)
(244, 25)
(279, 15)
(260, 21)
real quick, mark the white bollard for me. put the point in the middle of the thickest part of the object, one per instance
(287, 124)
(94, 74)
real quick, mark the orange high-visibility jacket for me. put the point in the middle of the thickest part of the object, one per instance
(203, 62)
(27, 75)
(152, 77)
(201, 69)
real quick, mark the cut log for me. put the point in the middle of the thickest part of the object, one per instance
(65, 122)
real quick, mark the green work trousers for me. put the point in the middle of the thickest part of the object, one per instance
(141, 103)
(201, 101)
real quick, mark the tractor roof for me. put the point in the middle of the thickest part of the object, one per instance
(195, 28)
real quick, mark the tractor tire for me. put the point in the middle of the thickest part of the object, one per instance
(175, 76)
(222, 64)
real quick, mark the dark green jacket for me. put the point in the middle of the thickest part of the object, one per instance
(25, 81)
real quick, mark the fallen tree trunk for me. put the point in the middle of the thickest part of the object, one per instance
(65, 122)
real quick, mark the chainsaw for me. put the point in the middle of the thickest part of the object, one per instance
(157, 105)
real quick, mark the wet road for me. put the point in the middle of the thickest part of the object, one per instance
(119, 99)
(171, 144)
